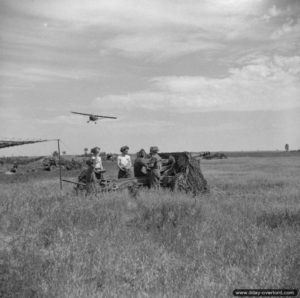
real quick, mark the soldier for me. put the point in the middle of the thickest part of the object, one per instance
(97, 162)
(141, 164)
(124, 163)
(91, 179)
(155, 165)
(168, 168)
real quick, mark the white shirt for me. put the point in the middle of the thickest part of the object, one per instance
(124, 161)
(97, 161)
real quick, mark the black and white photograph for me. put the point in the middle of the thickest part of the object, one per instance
(149, 148)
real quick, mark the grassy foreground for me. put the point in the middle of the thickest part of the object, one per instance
(243, 234)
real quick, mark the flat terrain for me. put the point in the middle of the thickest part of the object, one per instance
(243, 234)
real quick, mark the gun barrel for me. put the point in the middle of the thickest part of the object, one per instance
(77, 183)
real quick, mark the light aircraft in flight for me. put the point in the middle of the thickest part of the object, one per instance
(93, 117)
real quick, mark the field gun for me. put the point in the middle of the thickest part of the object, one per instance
(48, 163)
(106, 185)
(208, 155)
(73, 182)
(186, 174)
(180, 172)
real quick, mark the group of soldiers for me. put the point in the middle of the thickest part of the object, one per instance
(150, 166)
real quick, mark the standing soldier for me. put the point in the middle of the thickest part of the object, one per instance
(95, 170)
(141, 164)
(91, 179)
(124, 163)
(97, 162)
(155, 165)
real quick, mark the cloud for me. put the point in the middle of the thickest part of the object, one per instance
(23, 77)
(126, 13)
(150, 100)
(290, 26)
(9, 113)
(157, 28)
(142, 124)
(161, 45)
(59, 120)
(290, 65)
(263, 84)
(36, 73)
(272, 12)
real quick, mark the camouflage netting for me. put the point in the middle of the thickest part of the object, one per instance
(188, 175)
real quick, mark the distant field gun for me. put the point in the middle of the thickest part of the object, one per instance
(71, 164)
(208, 155)
(14, 168)
(111, 156)
(48, 163)
(183, 173)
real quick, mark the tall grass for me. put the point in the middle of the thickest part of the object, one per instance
(243, 234)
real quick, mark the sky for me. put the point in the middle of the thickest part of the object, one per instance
(210, 75)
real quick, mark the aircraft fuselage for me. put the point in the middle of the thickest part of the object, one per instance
(93, 118)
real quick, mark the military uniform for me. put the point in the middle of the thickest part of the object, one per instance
(140, 167)
(155, 166)
(91, 179)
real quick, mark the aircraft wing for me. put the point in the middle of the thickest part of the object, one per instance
(105, 116)
(100, 116)
(82, 114)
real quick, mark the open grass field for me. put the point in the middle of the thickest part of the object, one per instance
(245, 233)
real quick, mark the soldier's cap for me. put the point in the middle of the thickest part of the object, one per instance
(123, 148)
(154, 149)
(95, 149)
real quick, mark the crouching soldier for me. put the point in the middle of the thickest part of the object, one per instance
(155, 165)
